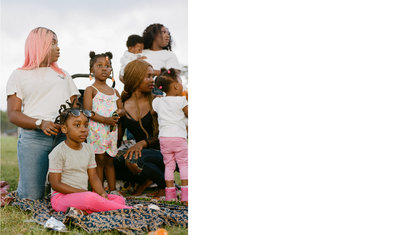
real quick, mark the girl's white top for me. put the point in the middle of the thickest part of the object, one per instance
(42, 91)
(162, 58)
(171, 118)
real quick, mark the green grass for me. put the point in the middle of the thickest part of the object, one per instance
(12, 218)
(9, 162)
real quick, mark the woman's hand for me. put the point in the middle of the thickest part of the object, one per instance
(111, 121)
(50, 128)
(135, 149)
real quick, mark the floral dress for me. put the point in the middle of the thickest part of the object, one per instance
(100, 136)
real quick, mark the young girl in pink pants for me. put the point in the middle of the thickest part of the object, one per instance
(72, 163)
(172, 111)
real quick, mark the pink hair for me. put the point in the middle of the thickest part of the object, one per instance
(37, 47)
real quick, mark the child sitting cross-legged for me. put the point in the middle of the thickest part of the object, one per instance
(72, 164)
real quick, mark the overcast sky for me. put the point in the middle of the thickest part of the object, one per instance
(82, 26)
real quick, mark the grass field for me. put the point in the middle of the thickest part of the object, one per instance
(15, 221)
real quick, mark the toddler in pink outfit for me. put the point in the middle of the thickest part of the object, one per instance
(172, 111)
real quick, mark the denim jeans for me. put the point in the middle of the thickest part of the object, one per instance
(153, 166)
(129, 135)
(33, 161)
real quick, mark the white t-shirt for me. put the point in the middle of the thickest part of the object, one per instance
(161, 58)
(72, 164)
(125, 59)
(42, 91)
(171, 118)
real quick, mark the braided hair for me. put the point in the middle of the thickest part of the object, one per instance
(63, 111)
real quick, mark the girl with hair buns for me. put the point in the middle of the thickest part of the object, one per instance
(144, 158)
(172, 111)
(34, 94)
(105, 102)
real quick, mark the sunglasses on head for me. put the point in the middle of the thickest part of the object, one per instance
(77, 112)
(74, 111)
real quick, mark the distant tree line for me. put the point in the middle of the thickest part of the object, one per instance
(6, 126)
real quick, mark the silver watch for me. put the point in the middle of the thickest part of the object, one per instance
(38, 123)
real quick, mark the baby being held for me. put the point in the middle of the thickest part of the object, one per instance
(135, 47)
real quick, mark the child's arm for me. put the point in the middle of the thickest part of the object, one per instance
(120, 110)
(55, 182)
(74, 101)
(186, 111)
(121, 132)
(87, 104)
(95, 183)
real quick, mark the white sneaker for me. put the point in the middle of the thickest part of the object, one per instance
(115, 192)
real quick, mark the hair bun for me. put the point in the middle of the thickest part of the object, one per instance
(162, 70)
(109, 54)
(172, 72)
(92, 54)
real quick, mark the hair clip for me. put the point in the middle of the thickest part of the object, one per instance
(160, 87)
(169, 71)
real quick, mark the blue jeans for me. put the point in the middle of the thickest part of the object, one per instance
(129, 135)
(33, 161)
(153, 166)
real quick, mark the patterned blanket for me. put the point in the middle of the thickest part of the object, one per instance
(144, 217)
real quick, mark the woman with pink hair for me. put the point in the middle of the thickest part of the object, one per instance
(34, 94)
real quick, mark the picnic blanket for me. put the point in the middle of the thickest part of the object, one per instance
(4, 186)
(144, 217)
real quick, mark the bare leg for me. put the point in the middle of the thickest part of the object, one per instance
(169, 183)
(100, 166)
(142, 187)
(184, 182)
(110, 172)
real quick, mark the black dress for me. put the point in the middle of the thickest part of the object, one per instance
(151, 160)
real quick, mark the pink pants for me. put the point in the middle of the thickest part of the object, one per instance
(174, 149)
(87, 201)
